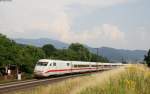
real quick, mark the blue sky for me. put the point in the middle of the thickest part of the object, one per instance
(126, 16)
(114, 23)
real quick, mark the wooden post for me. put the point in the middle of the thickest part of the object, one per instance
(18, 74)
(5, 74)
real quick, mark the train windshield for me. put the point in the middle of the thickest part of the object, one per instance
(42, 63)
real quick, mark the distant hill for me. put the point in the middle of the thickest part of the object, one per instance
(119, 55)
(42, 41)
(114, 55)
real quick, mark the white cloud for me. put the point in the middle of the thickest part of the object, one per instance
(19, 15)
(49, 18)
(25, 12)
(97, 36)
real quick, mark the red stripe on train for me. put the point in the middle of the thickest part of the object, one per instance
(60, 70)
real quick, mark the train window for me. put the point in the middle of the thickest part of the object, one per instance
(68, 64)
(42, 63)
(54, 64)
(50, 64)
(75, 65)
(81, 65)
(94, 65)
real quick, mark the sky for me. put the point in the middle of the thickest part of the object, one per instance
(123, 24)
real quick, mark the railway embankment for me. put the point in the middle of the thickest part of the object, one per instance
(74, 85)
(124, 80)
(30, 84)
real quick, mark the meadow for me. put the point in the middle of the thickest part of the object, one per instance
(125, 80)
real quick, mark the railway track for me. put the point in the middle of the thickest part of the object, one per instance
(22, 85)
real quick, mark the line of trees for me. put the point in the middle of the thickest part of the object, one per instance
(25, 56)
(147, 58)
(75, 51)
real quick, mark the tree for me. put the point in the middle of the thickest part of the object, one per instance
(23, 56)
(147, 58)
(49, 50)
(82, 52)
(66, 54)
(97, 58)
(30, 55)
(7, 48)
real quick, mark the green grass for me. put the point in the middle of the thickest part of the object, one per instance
(13, 78)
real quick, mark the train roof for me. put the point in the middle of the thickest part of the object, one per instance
(79, 62)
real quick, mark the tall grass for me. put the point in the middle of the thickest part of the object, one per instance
(134, 80)
(64, 87)
(125, 80)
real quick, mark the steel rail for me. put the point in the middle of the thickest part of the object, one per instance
(22, 85)
(30, 84)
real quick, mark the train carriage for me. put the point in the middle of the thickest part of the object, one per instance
(47, 67)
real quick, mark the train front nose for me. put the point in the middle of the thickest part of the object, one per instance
(39, 71)
(40, 68)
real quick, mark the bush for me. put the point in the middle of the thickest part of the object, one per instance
(147, 58)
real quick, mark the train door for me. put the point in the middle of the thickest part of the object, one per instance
(68, 67)
(71, 67)
(61, 67)
(53, 67)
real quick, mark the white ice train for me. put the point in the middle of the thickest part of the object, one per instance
(47, 67)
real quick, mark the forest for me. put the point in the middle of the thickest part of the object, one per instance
(26, 56)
